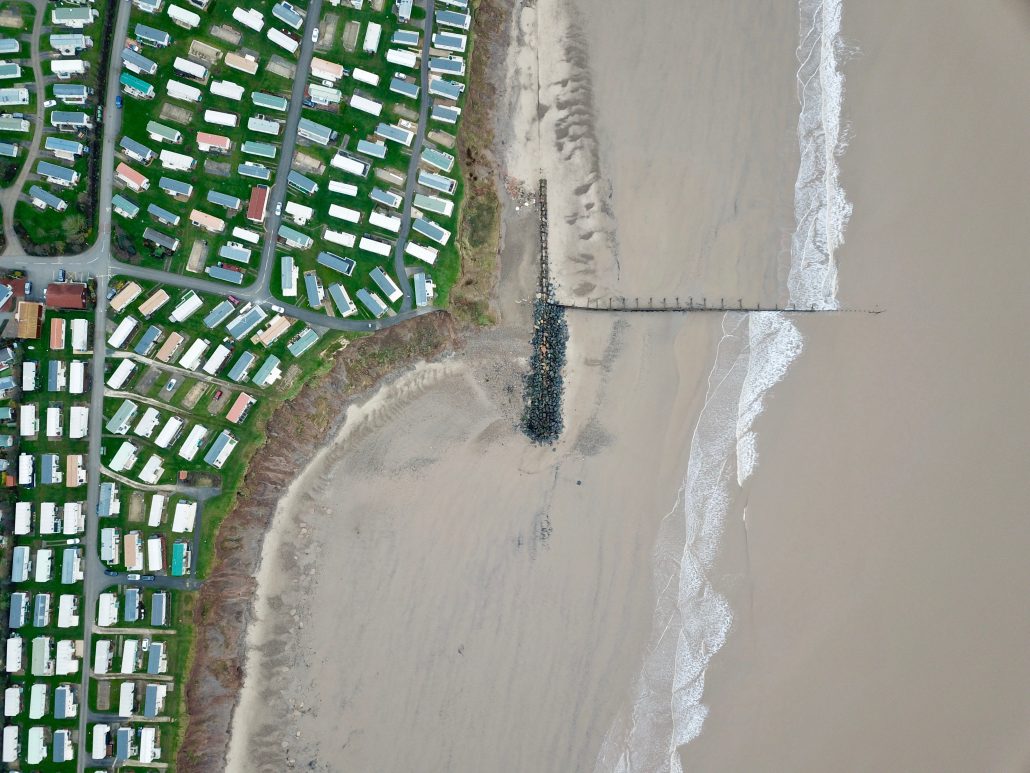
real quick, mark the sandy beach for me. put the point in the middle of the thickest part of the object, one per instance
(437, 593)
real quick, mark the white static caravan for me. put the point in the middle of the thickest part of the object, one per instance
(191, 359)
(184, 517)
(191, 445)
(67, 68)
(344, 213)
(28, 421)
(364, 76)
(402, 58)
(148, 422)
(183, 18)
(130, 648)
(78, 422)
(216, 360)
(177, 162)
(365, 105)
(121, 333)
(375, 246)
(80, 336)
(249, 18)
(192, 69)
(344, 189)
(155, 553)
(77, 377)
(157, 508)
(227, 89)
(187, 307)
(341, 238)
(248, 236)
(121, 374)
(283, 40)
(183, 91)
(169, 432)
(373, 34)
(349, 164)
(387, 222)
(152, 470)
(219, 118)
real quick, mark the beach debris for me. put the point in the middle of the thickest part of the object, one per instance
(520, 194)
(544, 385)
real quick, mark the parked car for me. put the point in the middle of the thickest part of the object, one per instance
(132, 576)
(170, 385)
(28, 288)
(218, 395)
(233, 300)
(278, 208)
(314, 35)
(118, 101)
(110, 572)
(278, 309)
(50, 103)
(111, 293)
(148, 578)
(62, 275)
(73, 541)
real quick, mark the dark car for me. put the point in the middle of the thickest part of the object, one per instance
(148, 578)
(110, 572)
(118, 100)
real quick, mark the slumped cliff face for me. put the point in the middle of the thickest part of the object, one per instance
(297, 430)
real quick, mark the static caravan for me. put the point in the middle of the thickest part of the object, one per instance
(249, 18)
(67, 68)
(344, 305)
(365, 105)
(227, 89)
(219, 118)
(287, 14)
(373, 34)
(247, 64)
(402, 58)
(183, 18)
(190, 69)
(185, 92)
(364, 76)
(284, 41)
(177, 162)
(342, 238)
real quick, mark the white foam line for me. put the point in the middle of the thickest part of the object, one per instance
(667, 710)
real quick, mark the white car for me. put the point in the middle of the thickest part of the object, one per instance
(278, 208)
(50, 103)
(314, 35)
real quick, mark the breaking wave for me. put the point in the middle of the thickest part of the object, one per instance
(692, 619)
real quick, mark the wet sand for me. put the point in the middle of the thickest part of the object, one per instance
(881, 598)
